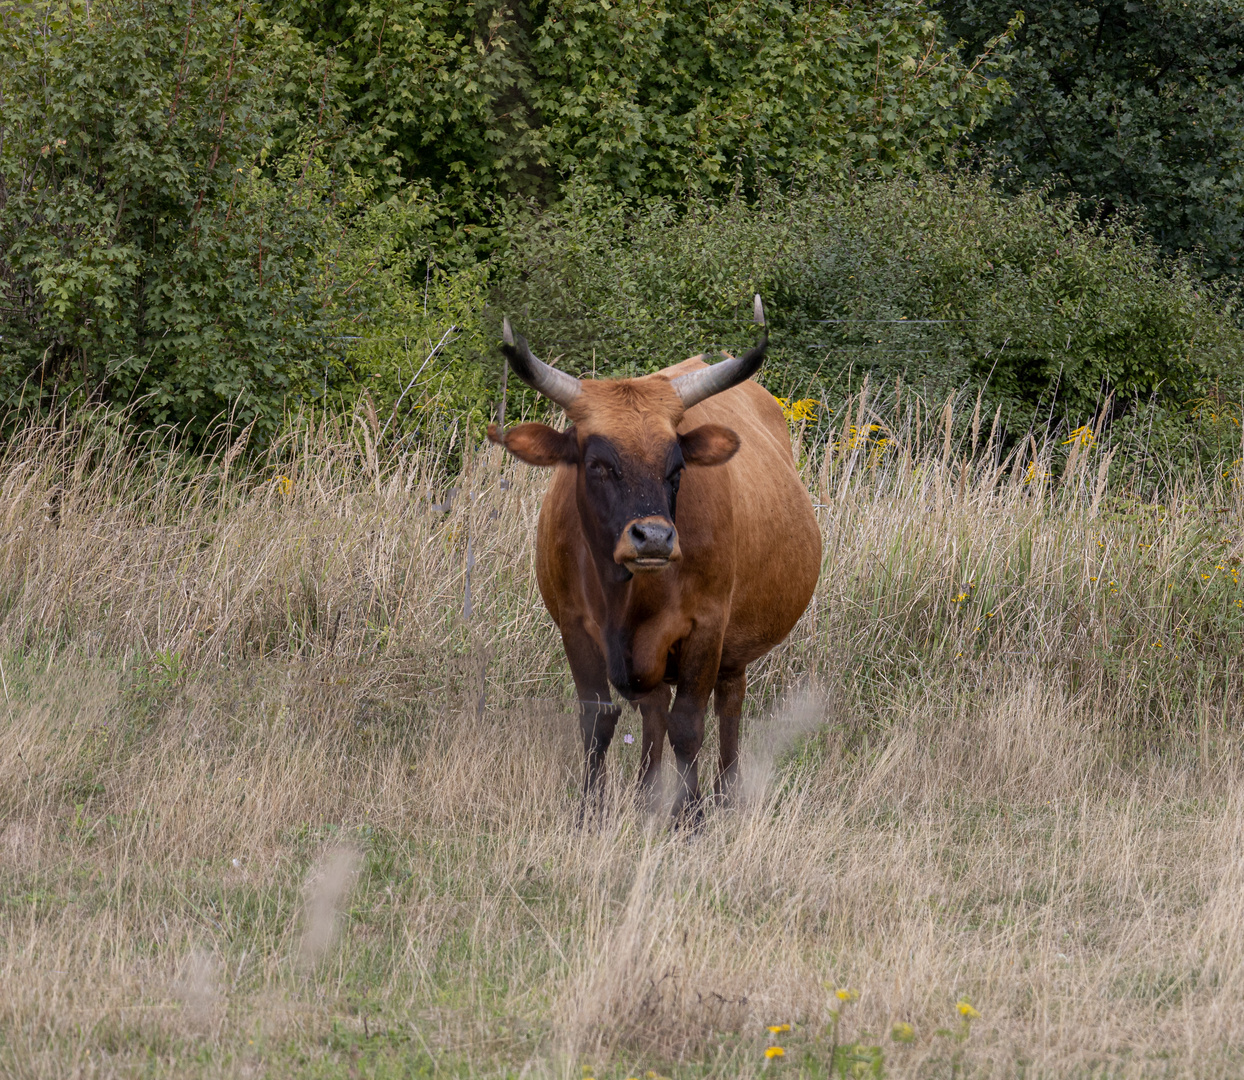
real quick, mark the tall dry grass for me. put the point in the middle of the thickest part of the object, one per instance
(274, 799)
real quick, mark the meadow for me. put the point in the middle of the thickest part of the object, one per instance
(289, 769)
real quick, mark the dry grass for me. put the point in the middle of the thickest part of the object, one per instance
(270, 804)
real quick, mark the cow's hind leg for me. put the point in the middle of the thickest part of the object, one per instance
(728, 704)
(598, 716)
(655, 710)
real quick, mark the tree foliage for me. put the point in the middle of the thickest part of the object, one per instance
(1134, 105)
(146, 257)
(647, 96)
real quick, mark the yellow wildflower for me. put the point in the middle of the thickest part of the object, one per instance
(795, 411)
(847, 995)
(284, 485)
(1032, 473)
(966, 1011)
(778, 1028)
(775, 1052)
(903, 1033)
(1082, 435)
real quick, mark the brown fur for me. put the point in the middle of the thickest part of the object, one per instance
(750, 555)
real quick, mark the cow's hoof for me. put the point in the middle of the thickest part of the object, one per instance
(726, 791)
(649, 799)
(590, 814)
(689, 817)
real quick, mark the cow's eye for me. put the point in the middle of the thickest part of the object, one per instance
(674, 478)
(602, 470)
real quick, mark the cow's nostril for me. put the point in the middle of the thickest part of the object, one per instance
(652, 539)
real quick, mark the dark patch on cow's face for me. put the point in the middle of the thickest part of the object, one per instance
(628, 503)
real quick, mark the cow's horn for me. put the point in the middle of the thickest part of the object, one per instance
(695, 386)
(553, 384)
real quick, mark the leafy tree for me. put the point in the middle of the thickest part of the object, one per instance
(144, 256)
(1136, 105)
(649, 97)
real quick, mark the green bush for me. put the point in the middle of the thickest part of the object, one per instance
(194, 223)
(940, 281)
(145, 259)
(181, 238)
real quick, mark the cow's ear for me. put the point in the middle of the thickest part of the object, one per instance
(538, 444)
(709, 444)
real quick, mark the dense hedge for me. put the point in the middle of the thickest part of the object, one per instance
(941, 281)
(205, 213)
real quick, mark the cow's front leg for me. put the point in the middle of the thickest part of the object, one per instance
(597, 721)
(598, 716)
(654, 708)
(697, 673)
(728, 705)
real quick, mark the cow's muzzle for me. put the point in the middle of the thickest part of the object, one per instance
(647, 543)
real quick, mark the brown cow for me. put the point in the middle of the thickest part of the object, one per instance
(676, 545)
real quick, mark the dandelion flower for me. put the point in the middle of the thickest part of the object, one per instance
(847, 995)
(966, 1011)
(775, 1052)
(778, 1028)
